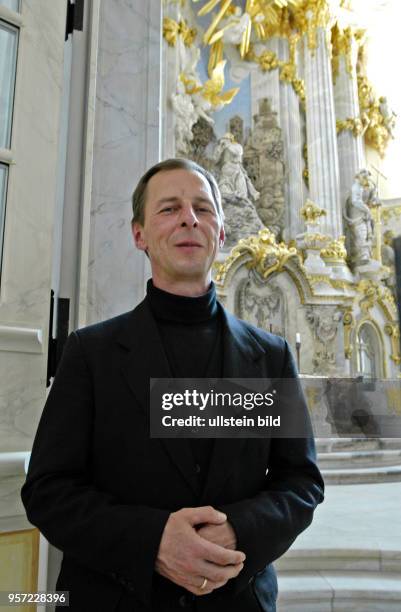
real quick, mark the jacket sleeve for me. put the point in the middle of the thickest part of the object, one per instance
(267, 525)
(85, 523)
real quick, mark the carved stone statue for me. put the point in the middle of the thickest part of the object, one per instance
(264, 162)
(185, 117)
(358, 216)
(233, 178)
(237, 191)
(389, 116)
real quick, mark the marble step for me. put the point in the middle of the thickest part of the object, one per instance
(356, 475)
(365, 458)
(332, 445)
(339, 559)
(339, 591)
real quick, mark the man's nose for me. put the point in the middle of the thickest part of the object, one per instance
(188, 217)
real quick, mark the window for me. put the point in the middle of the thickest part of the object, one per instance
(368, 352)
(8, 68)
(13, 5)
(3, 192)
(8, 63)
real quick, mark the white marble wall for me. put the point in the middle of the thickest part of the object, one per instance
(126, 143)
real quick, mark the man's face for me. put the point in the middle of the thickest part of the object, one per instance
(182, 231)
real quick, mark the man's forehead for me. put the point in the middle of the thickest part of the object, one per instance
(178, 182)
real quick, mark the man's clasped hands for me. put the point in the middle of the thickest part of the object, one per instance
(198, 550)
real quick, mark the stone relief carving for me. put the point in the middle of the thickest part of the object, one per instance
(359, 219)
(185, 118)
(264, 162)
(323, 321)
(262, 304)
(238, 193)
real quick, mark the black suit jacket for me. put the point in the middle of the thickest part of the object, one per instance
(101, 490)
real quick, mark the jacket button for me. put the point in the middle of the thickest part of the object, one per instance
(197, 468)
(183, 601)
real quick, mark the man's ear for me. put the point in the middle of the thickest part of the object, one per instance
(138, 235)
(222, 236)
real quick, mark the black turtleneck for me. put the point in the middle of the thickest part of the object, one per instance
(190, 329)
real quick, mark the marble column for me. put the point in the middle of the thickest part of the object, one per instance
(171, 69)
(324, 184)
(351, 151)
(266, 84)
(290, 122)
(126, 142)
(284, 102)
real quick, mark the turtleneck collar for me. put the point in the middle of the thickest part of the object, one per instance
(182, 309)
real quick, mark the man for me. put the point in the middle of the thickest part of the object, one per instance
(165, 524)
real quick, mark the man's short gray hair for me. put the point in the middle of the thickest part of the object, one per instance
(139, 195)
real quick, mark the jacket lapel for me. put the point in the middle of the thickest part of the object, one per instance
(242, 358)
(144, 359)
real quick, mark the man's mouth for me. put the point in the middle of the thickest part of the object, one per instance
(188, 243)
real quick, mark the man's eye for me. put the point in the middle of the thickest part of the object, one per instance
(204, 209)
(167, 209)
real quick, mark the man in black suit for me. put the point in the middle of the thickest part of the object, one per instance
(165, 524)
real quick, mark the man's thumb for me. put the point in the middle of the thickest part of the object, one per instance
(206, 514)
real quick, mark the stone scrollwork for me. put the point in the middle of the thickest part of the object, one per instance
(349, 324)
(263, 306)
(393, 330)
(373, 293)
(323, 321)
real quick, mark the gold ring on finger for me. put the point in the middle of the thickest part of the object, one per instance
(203, 585)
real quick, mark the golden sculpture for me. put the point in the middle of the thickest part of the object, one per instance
(265, 255)
(349, 324)
(311, 213)
(213, 87)
(335, 251)
(172, 29)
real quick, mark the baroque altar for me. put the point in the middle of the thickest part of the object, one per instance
(274, 98)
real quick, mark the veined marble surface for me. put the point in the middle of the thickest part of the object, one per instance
(127, 142)
(322, 137)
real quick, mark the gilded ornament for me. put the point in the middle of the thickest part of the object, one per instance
(335, 251)
(349, 324)
(172, 29)
(390, 212)
(356, 125)
(265, 255)
(268, 61)
(311, 213)
(393, 331)
(375, 293)
(378, 119)
(212, 89)
(341, 41)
